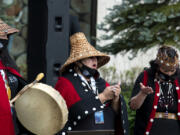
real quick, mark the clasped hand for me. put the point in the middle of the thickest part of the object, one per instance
(111, 92)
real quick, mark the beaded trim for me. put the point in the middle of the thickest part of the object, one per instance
(155, 102)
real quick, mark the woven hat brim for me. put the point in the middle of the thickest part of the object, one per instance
(5, 30)
(3, 35)
(81, 49)
(102, 60)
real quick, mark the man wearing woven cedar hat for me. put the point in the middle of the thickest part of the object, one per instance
(156, 96)
(93, 104)
(10, 83)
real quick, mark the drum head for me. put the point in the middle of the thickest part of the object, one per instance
(42, 110)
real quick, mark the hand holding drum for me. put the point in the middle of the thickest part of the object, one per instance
(40, 108)
(38, 78)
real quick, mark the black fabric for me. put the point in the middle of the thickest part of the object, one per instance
(16, 83)
(143, 113)
(165, 77)
(13, 84)
(172, 105)
(89, 122)
(1, 47)
(88, 102)
(88, 72)
(3, 44)
(165, 127)
(7, 60)
(4, 54)
(123, 125)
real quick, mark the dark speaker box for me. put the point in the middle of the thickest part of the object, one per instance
(48, 38)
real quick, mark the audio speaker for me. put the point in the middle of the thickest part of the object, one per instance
(48, 38)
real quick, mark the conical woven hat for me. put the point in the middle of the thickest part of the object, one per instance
(81, 49)
(6, 30)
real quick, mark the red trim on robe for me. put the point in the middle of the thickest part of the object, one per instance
(145, 78)
(6, 121)
(107, 84)
(13, 71)
(156, 99)
(178, 93)
(67, 90)
(154, 107)
(10, 69)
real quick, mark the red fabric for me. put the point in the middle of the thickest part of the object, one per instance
(178, 93)
(13, 71)
(155, 102)
(6, 122)
(10, 69)
(153, 112)
(145, 78)
(107, 84)
(67, 90)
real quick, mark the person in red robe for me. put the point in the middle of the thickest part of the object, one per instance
(156, 95)
(11, 83)
(93, 104)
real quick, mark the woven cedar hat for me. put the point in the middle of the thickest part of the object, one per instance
(81, 49)
(6, 30)
(167, 58)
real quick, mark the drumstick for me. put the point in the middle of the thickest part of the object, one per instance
(38, 78)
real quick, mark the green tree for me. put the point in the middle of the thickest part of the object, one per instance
(139, 25)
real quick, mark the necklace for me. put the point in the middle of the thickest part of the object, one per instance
(166, 98)
(91, 85)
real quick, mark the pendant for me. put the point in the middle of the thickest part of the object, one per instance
(99, 117)
(166, 113)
